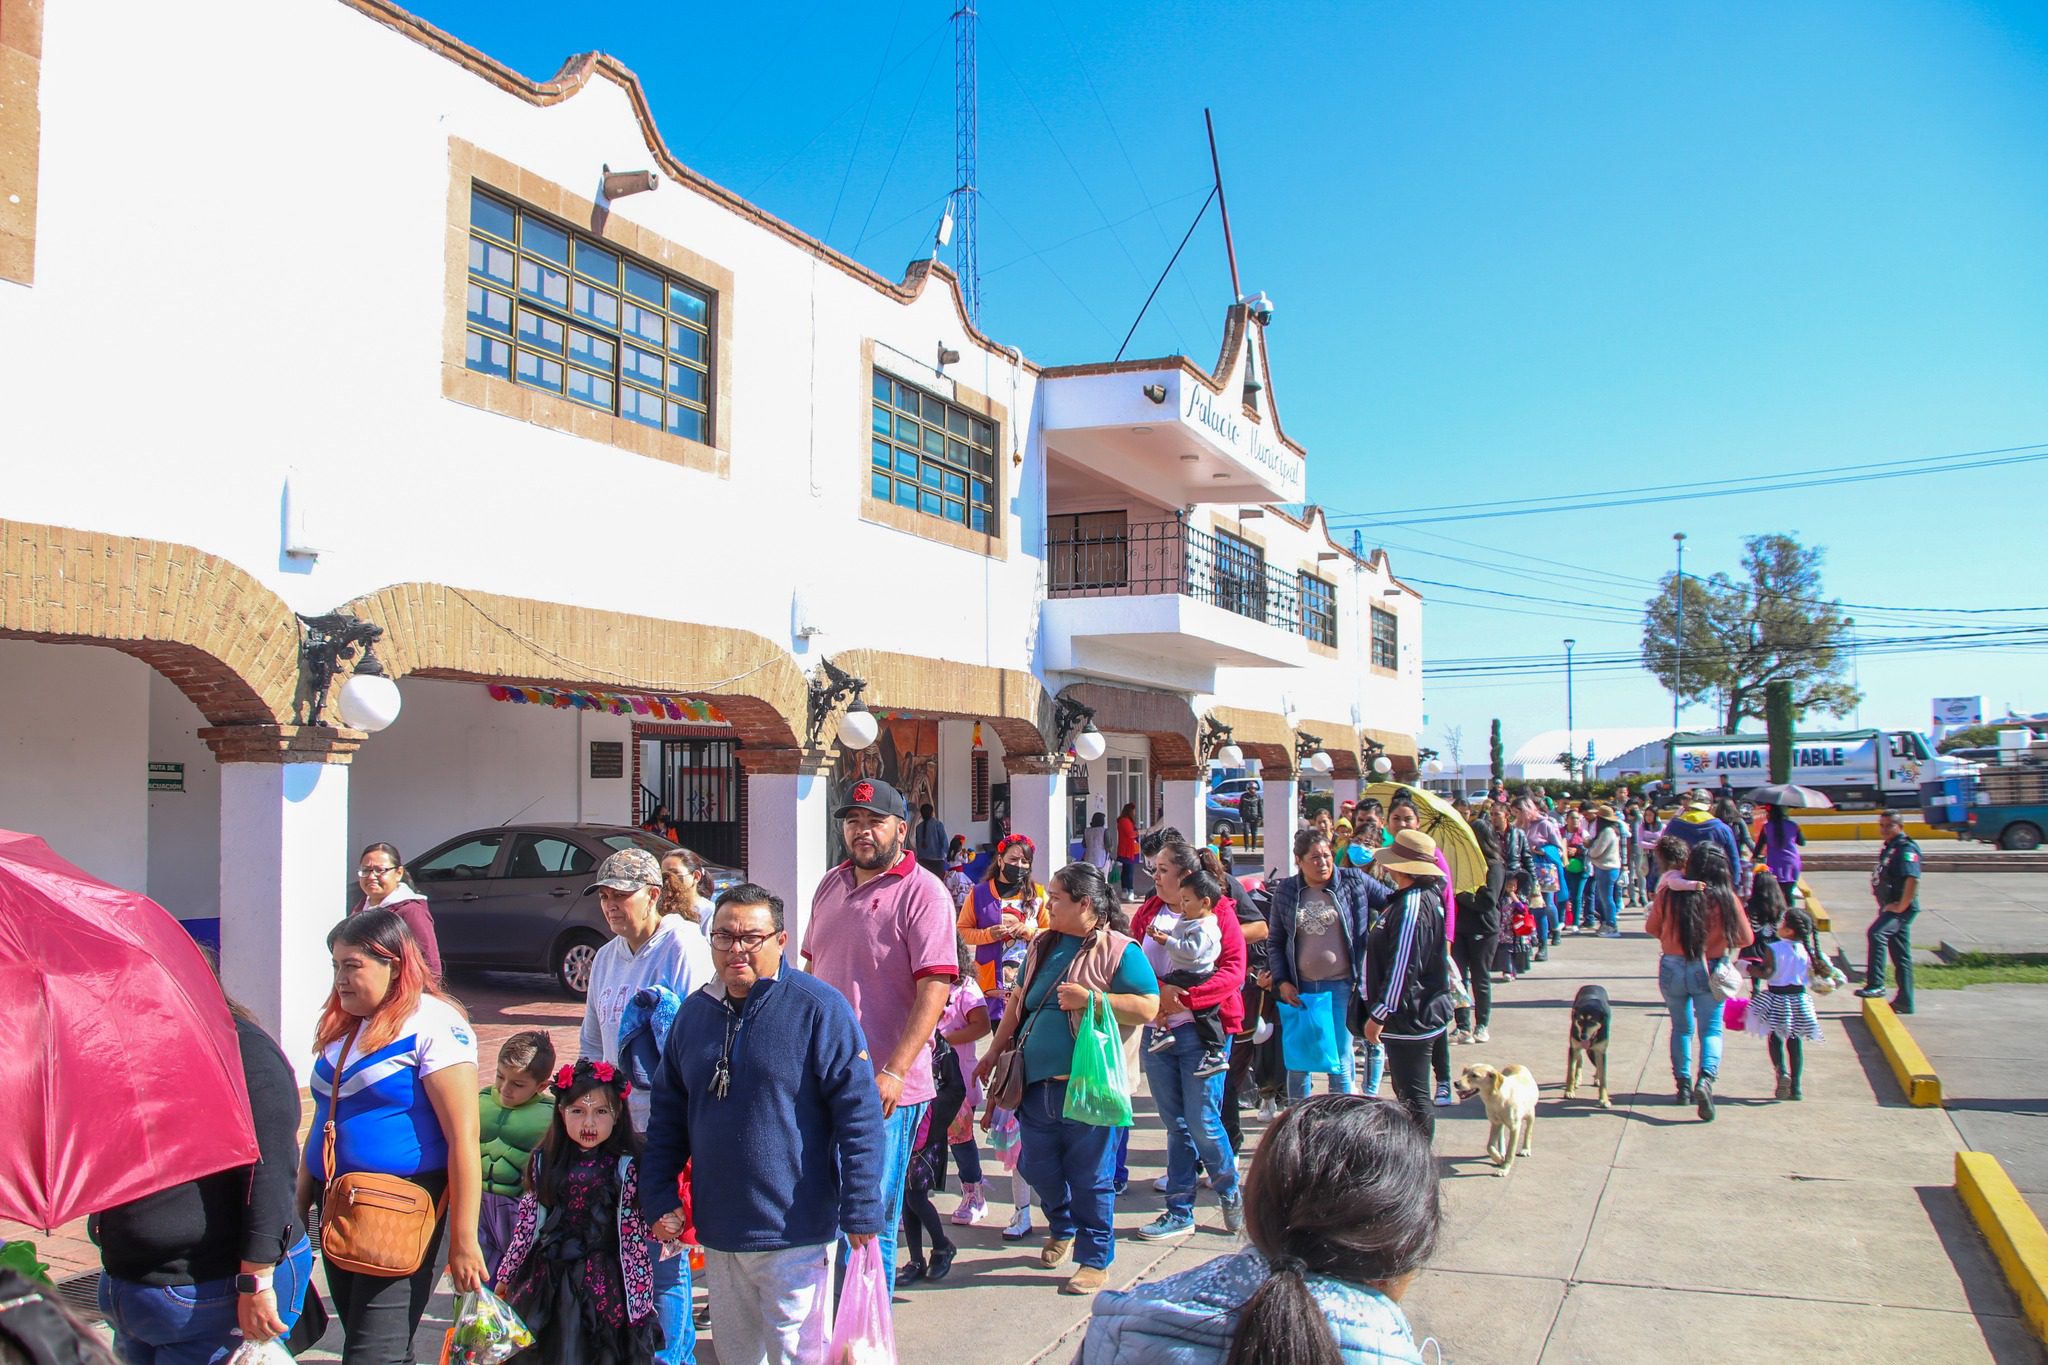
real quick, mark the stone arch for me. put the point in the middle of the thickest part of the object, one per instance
(223, 639)
(435, 631)
(1014, 703)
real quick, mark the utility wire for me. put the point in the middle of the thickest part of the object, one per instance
(902, 137)
(1164, 273)
(867, 112)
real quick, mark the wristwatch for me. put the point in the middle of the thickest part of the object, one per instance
(252, 1284)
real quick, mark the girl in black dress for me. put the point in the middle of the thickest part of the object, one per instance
(578, 1270)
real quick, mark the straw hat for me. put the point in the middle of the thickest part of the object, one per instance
(1603, 811)
(1412, 852)
(1699, 798)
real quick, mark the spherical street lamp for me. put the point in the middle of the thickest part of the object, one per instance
(369, 700)
(857, 727)
(1089, 744)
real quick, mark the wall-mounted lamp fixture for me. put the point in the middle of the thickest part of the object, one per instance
(619, 184)
(1156, 392)
(1308, 752)
(1216, 743)
(832, 685)
(947, 356)
(1374, 755)
(369, 700)
(1069, 716)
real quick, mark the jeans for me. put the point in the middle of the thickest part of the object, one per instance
(899, 1138)
(1546, 919)
(1683, 982)
(1192, 1111)
(193, 1324)
(1606, 908)
(1071, 1167)
(770, 1307)
(672, 1308)
(967, 1160)
(1343, 1081)
(1123, 1156)
(1408, 1063)
(1891, 935)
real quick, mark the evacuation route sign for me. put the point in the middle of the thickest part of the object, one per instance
(167, 777)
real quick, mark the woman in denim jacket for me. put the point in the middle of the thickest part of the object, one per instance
(1344, 902)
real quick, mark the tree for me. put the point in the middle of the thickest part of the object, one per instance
(1454, 745)
(1741, 635)
(1495, 756)
(1974, 737)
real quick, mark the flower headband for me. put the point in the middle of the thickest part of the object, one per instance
(1011, 841)
(604, 1072)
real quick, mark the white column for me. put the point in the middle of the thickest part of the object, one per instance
(284, 879)
(1187, 808)
(1282, 819)
(788, 815)
(1344, 789)
(1038, 810)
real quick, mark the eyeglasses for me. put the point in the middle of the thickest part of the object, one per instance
(375, 871)
(721, 939)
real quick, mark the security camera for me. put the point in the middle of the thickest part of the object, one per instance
(1156, 392)
(1261, 308)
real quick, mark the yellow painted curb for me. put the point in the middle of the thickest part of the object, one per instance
(1858, 825)
(2015, 1234)
(1821, 922)
(1909, 1063)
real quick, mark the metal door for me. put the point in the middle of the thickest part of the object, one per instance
(699, 781)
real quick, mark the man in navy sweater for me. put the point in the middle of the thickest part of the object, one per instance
(766, 1083)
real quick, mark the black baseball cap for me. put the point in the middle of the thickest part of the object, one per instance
(873, 794)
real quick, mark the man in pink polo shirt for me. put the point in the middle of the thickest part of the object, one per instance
(882, 934)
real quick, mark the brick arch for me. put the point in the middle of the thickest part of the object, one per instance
(1014, 703)
(1167, 721)
(435, 631)
(1261, 734)
(223, 639)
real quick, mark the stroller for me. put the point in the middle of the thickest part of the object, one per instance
(1517, 939)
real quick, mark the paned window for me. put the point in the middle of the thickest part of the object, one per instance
(1386, 639)
(1318, 609)
(556, 311)
(930, 455)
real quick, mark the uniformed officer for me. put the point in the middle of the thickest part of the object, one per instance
(1895, 882)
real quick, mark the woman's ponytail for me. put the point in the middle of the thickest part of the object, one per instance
(1282, 1324)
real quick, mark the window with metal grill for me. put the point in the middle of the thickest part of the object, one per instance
(930, 455)
(564, 313)
(1386, 639)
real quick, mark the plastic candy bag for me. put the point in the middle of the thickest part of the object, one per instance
(862, 1330)
(1098, 1089)
(271, 1352)
(485, 1332)
(1313, 1036)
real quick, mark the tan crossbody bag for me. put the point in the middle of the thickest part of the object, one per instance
(372, 1223)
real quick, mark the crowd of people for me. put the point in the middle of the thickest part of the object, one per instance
(952, 1021)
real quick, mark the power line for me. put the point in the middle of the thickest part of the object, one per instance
(909, 120)
(1164, 273)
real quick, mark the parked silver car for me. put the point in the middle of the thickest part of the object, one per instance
(512, 898)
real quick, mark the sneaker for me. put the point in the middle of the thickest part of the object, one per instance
(1703, 1098)
(1900, 1006)
(1462, 1036)
(1054, 1251)
(1085, 1280)
(1480, 1035)
(1159, 1185)
(1793, 1092)
(1870, 993)
(1020, 1226)
(1267, 1112)
(1543, 954)
(1443, 1093)
(1610, 933)
(1158, 1040)
(1121, 1186)
(1168, 1224)
(973, 1206)
(1212, 1064)
(1784, 1087)
(1233, 1213)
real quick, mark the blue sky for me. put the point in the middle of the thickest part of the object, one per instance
(1515, 251)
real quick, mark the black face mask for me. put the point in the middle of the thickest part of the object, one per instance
(1012, 878)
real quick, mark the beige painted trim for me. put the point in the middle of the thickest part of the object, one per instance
(469, 164)
(21, 129)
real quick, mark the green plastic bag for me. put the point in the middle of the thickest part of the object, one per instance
(1098, 1091)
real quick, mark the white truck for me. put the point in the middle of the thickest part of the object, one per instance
(1856, 768)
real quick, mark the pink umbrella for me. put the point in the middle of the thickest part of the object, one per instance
(118, 1060)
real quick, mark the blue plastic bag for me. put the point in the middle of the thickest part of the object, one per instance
(1312, 1034)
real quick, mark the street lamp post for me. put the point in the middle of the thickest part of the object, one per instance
(1678, 662)
(1570, 741)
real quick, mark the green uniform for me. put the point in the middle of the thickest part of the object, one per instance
(509, 1137)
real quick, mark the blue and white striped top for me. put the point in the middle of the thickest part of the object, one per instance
(388, 1123)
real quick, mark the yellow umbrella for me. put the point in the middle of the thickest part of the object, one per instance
(1443, 824)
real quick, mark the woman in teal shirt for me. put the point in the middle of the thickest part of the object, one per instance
(1072, 1165)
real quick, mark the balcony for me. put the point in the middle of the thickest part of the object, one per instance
(1190, 445)
(1164, 604)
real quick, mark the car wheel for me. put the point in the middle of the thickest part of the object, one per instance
(573, 956)
(1229, 827)
(2020, 838)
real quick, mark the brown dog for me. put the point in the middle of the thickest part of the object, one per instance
(1510, 1098)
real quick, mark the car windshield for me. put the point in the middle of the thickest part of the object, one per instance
(621, 842)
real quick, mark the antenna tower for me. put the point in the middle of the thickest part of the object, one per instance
(966, 99)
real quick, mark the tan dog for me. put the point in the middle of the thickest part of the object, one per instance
(1510, 1098)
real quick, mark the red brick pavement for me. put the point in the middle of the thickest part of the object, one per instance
(499, 1004)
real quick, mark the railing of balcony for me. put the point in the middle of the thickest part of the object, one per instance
(1171, 557)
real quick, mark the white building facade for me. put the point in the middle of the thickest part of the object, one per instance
(616, 473)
